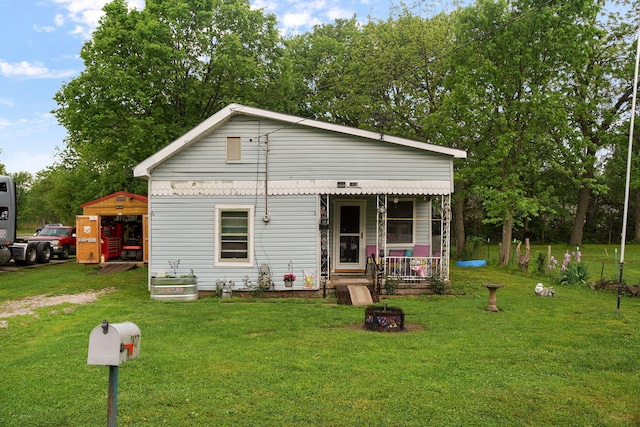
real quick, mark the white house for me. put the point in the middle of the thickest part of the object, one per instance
(250, 192)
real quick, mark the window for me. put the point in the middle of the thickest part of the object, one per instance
(400, 222)
(234, 148)
(234, 236)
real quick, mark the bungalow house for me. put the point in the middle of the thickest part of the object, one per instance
(251, 194)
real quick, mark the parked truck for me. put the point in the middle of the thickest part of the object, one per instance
(22, 251)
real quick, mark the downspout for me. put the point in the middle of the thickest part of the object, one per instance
(266, 217)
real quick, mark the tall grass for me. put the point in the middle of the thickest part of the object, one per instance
(570, 360)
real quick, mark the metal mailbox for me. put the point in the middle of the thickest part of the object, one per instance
(112, 344)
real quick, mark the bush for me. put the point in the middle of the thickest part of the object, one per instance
(438, 285)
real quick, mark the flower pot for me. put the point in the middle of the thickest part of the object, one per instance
(288, 283)
(174, 288)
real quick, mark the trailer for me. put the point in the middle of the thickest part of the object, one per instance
(21, 251)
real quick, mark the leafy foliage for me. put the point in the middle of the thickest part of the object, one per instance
(152, 74)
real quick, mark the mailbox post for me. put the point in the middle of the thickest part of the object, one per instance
(112, 344)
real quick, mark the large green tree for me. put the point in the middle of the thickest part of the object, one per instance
(152, 74)
(509, 106)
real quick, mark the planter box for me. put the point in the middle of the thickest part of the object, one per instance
(174, 288)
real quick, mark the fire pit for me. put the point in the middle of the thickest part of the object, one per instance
(377, 318)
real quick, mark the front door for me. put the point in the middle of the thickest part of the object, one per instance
(349, 247)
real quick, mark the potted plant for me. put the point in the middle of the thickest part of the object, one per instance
(289, 278)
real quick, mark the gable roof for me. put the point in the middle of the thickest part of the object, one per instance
(113, 196)
(145, 168)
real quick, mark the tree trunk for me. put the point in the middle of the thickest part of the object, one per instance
(458, 213)
(523, 260)
(581, 215)
(505, 246)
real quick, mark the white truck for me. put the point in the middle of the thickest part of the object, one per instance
(23, 252)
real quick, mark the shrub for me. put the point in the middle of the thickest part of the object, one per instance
(438, 285)
(390, 286)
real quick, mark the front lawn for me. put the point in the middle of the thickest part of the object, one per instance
(570, 360)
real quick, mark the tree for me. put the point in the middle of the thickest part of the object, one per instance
(514, 118)
(152, 74)
(598, 92)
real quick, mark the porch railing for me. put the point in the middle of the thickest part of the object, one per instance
(412, 269)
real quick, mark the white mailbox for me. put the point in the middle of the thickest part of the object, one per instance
(112, 344)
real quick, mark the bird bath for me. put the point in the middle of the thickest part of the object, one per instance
(492, 287)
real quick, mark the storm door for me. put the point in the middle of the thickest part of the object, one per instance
(349, 251)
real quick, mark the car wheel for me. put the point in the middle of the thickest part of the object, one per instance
(65, 252)
(43, 252)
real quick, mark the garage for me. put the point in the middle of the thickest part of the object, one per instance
(113, 228)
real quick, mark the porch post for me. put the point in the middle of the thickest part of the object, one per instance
(381, 237)
(324, 241)
(444, 236)
(381, 232)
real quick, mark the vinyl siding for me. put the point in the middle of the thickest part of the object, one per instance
(297, 152)
(182, 228)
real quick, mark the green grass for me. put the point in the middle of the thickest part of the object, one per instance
(566, 361)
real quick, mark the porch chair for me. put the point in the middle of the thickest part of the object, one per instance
(419, 262)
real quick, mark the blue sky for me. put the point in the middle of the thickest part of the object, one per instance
(39, 51)
(41, 41)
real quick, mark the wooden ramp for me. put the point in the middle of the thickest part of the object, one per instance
(360, 295)
(113, 268)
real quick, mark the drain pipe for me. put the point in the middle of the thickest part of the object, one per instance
(266, 217)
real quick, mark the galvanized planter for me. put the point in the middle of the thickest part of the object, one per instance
(174, 288)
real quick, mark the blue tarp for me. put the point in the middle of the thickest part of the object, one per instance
(472, 263)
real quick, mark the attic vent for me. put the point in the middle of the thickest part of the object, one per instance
(234, 148)
(353, 184)
(342, 184)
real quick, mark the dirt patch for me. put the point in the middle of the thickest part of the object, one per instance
(408, 327)
(27, 306)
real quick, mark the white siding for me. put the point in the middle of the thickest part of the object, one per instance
(297, 152)
(182, 228)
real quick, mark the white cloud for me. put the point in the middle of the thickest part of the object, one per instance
(86, 14)
(337, 12)
(59, 20)
(44, 29)
(267, 5)
(301, 19)
(7, 102)
(35, 70)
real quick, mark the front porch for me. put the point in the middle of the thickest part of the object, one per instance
(375, 239)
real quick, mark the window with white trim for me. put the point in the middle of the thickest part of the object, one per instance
(400, 222)
(234, 235)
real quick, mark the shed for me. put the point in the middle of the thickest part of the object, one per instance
(258, 195)
(113, 227)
